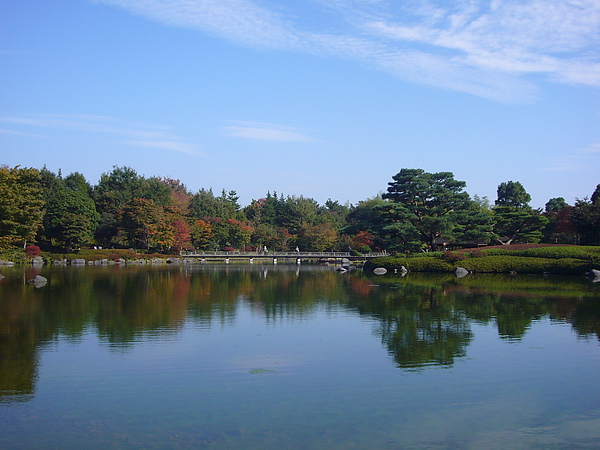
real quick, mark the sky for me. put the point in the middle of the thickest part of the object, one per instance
(327, 99)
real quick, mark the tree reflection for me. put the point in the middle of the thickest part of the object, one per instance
(419, 325)
(422, 320)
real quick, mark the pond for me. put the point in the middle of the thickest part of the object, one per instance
(295, 357)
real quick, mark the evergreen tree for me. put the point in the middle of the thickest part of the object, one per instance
(71, 217)
(429, 202)
(514, 219)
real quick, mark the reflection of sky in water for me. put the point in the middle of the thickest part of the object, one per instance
(282, 375)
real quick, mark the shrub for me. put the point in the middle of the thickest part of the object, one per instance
(452, 257)
(16, 255)
(477, 254)
(427, 255)
(364, 249)
(32, 250)
(228, 249)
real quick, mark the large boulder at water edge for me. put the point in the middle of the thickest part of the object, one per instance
(461, 272)
(594, 275)
(380, 271)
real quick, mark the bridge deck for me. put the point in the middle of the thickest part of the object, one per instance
(282, 255)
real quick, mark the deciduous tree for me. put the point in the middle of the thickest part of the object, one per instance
(513, 194)
(21, 205)
(586, 218)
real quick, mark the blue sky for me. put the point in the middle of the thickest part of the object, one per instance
(321, 98)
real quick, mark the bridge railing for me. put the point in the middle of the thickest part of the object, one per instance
(270, 254)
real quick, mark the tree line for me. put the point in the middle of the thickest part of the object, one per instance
(419, 211)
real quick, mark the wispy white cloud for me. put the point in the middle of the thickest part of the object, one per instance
(576, 160)
(267, 132)
(16, 133)
(240, 20)
(591, 149)
(90, 126)
(483, 47)
(172, 145)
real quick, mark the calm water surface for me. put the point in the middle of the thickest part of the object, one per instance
(296, 357)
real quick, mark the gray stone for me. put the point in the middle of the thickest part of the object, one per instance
(380, 271)
(594, 274)
(461, 272)
(38, 281)
(78, 262)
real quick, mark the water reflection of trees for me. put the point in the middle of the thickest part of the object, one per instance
(421, 319)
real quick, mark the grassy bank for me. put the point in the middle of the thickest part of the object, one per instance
(19, 256)
(565, 260)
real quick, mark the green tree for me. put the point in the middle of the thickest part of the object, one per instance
(512, 194)
(204, 205)
(267, 235)
(518, 224)
(118, 188)
(514, 219)
(395, 227)
(559, 229)
(21, 205)
(201, 234)
(140, 221)
(556, 204)
(475, 223)
(586, 218)
(71, 217)
(230, 233)
(429, 202)
(319, 238)
(595, 199)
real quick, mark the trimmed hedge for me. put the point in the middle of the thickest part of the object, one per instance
(522, 264)
(575, 251)
(488, 264)
(420, 264)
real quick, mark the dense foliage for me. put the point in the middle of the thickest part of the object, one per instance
(420, 212)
